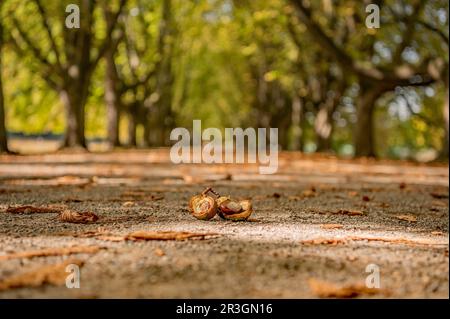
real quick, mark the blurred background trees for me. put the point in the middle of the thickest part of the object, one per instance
(136, 69)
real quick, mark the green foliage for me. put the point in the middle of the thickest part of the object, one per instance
(226, 52)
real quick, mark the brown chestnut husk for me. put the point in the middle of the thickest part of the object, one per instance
(234, 210)
(203, 206)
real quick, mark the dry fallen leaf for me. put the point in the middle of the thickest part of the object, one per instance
(305, 194)
(324, 289)
(166, 235)
(349, 212)
(324, 241)
(439, 203)
(73, 200)
(331, 226)
(366, 198)
(51, 274)
(352, 194)
(111, 238)
(407, 218)
(159, 252)
(77, 218)
(439, 195)
(88, 234)
(128, 204)
(309, 193)
(345, 240)
(32, 210)
(59, 251)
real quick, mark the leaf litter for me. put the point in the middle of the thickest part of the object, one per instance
(57, 251)
(50, 274)
(325, 289)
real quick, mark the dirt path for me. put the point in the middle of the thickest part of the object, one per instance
(317, 219)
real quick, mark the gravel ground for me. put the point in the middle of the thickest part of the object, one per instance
(262, 258)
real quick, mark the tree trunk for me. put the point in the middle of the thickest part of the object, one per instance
(323, 126)
(445, 150)
(147, 131)
(112, 99)
(132, 125)
(295, 143)
(3, 136)
(445, 145)
(73, 102)
(163, 115)
(364, 129)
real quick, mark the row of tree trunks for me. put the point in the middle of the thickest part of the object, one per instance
(364, 132)
(75, 121)
(162, 114)
(324, 122)
(112, 99)
(297, 115)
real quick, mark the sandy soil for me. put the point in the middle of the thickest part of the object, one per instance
(263, 258)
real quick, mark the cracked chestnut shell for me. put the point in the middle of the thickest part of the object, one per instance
(234, 210)
(203, 207)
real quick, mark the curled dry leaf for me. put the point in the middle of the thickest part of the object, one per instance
(111, 238)
(128, 204)
(69, 216)
(345, 240)
(324, 241)
(51, 274)
(439, 195)
(439, 203)
(309, 193)
(349, 212)
(407, 218)
(58, 251)
(32, 210)
(159, 252)
(167, 235)
(331, 226)
(324, 289)
(90, 233)
(73, 200)
(305, 194)
(154, 197)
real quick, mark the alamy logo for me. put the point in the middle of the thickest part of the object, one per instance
(73, 279)
(373, 280)
(219, 151)
(73, 19)
(373, 18)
